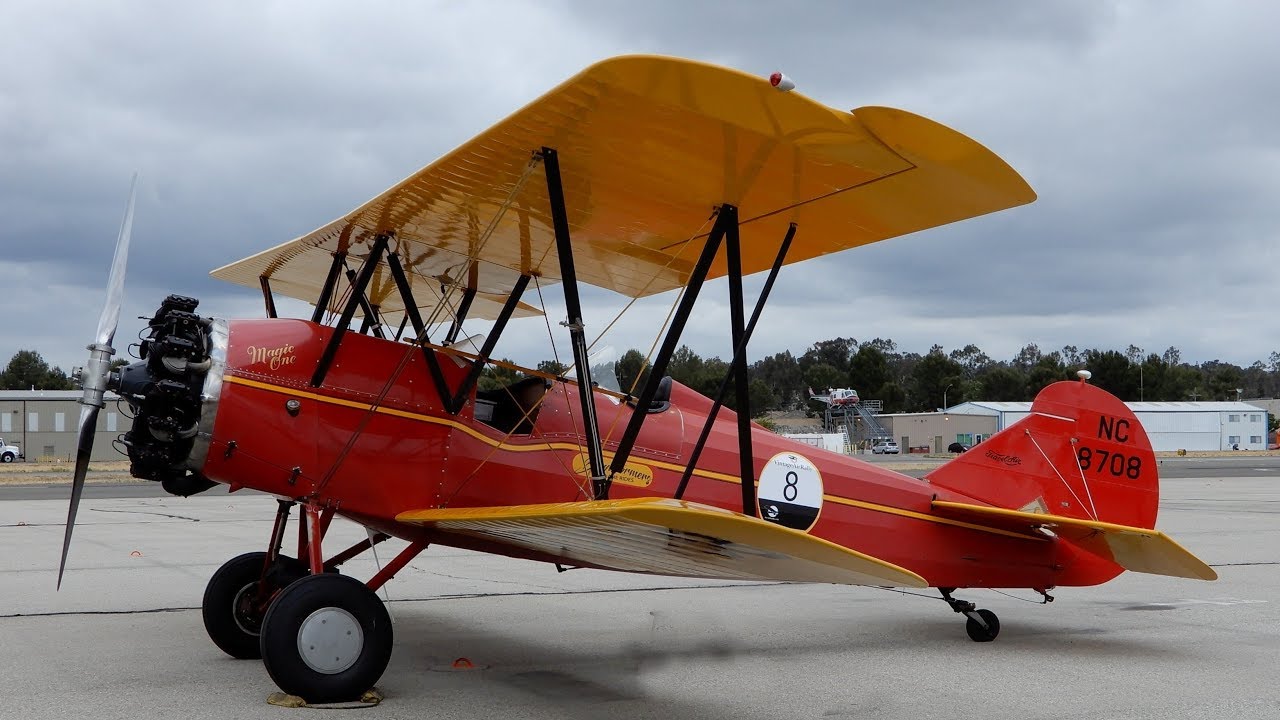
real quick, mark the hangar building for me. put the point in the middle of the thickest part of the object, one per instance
(934, 432)
(1170, 425)
(43, 423)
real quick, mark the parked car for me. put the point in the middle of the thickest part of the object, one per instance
(956, 447)
(882, 447)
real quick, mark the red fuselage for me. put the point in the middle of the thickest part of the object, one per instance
(375, 440)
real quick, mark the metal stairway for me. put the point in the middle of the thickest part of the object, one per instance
(858, 422)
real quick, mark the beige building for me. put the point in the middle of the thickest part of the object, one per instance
(935, 431)
(43, 423)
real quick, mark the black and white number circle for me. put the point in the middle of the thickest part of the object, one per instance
(790, 491)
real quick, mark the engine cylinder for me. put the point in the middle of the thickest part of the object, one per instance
(166, 390)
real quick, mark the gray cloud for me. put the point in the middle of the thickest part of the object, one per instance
(1146, 127)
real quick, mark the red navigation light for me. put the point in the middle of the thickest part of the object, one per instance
(782, 82)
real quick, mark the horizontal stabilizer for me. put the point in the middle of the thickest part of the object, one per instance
(1132, 548)
(664, 536)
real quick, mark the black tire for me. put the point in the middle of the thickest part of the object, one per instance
(8, 457)
(977, 633)
(302, 614)
(231, 618)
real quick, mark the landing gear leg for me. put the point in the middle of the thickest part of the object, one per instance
(982, 625)
(239, 593)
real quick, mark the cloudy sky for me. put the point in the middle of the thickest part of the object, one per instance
(1150, 130)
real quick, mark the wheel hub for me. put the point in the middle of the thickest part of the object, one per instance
(244, 611)
(330, 640)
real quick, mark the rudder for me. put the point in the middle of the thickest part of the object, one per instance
(1080, 453)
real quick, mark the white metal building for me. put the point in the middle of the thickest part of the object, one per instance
(1170, 425)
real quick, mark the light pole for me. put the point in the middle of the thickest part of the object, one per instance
(944, 396)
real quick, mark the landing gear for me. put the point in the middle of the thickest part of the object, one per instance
(982, 625)
(326, 638)
(322, 636)
(237, 597)
(984, 629)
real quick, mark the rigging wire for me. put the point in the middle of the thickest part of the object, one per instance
(1054, 468)
(555, 354)
(685, 245)
(582, 489)
(409, 351)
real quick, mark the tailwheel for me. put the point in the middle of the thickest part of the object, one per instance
(982, 625)
(236, 600)
(326, 638)
(984, 631)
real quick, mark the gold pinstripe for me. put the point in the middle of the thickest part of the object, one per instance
(545, 446)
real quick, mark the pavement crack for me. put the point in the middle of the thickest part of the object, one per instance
(65, 613)
(147, 512)
(550, 588)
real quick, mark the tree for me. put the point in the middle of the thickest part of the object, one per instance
(821, 377)
(27, 370)
(971, 359)
(1071, 356)
(685, 366)
(1222, 379)
(893, 397)
(495, 377)
(1046, 371)
(1002, 384)
(1029, 355)
(630, 365)
(1112, 373)
(553, 367)
(930, 379)
(709, 378)
(761, 397)
(835, 353)
(781, 374)
(869, 371)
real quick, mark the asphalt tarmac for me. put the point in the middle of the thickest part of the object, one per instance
(124, 639)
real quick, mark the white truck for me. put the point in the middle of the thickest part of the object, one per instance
(9, 453)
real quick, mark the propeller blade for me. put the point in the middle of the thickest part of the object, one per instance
(88, 427)
(93, 377)
(115, 282)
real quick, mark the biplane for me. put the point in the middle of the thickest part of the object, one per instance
(640, 175)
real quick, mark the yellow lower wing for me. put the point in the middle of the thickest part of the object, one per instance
(667, 537)
(1132, 548)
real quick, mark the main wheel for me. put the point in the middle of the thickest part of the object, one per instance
(234, 604)
(326, 638)
(977, 633)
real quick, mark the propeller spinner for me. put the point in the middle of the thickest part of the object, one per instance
(94, 375)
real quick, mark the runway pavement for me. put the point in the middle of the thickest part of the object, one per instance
(123, 639)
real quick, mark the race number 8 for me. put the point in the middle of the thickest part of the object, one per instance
(791, 490)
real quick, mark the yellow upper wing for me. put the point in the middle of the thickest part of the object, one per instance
(667, 537)
(648, 146)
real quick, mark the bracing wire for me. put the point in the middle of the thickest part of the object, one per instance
(1089, 508)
